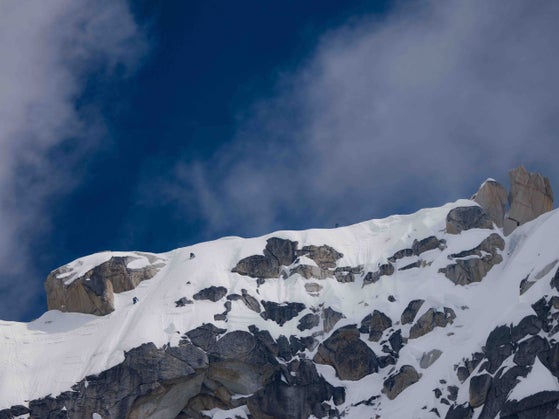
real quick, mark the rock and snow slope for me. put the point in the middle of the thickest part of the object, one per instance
(392, 318)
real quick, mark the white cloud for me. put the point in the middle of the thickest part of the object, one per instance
(389, 115)
(48, 50)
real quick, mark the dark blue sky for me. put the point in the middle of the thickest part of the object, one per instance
(150, 125)
(208, 61)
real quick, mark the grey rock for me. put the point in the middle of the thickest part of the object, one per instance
(348, 354)
(530, 196)
(329, 319)
(396, 341)
(409, 313)
(399, 381)
(258, 266)
(426, 244)
(465, 218)
(529, 325)
(324, 256)
(466, 271)
(528, 349)
(282, 250)
(375, 324)
(479, 387)
(204, 336)
(385, 269)
(250, 302)
(464, 411)
(211, 293)
(313, 288)
(542, 405)
(431, 319)
(400, 254)
(281, 312)
(429, 358)
(310, 271)
(151, 382)
(492, 197)
(503, 382)
(308, 321)
(498, 347)
(240, 363)
(181, 302)
(300, 397)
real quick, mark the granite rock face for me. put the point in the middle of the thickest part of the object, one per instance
(530, 196)
(348, 354)
(93, 292)
(465, 218)
(492, 197)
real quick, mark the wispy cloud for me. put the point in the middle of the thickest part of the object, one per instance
(389, 115)
(49, 50)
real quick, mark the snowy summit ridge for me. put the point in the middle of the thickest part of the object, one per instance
(450, 312)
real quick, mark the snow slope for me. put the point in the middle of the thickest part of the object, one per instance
(53, 352)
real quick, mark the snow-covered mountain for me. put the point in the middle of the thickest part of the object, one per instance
(428, 315)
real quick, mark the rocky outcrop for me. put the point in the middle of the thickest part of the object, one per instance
(399, 381)
(212, 293)
(468, 269)
(465, 218)
(282, 252)
(479, 386)
(492, 197)
(348, 354)
(93, 292)
(375, 324)
(530, 196)
(409, 313)
(281, 312)
(431, 319)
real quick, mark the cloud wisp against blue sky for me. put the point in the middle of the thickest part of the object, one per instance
(47, 128)
(389, 115)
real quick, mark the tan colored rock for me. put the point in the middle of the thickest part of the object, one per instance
(93, 291)
(530, 196)
(492, 197)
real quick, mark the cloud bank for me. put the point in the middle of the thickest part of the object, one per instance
(47, 125)
(389, 115)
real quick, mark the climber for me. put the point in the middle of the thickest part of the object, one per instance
(192, 255)
(135, 300)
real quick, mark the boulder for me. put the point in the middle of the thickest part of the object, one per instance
(329, 319)
(468, 269)
(308, 321)
(463, 411)
(212, 293)
(204, 336)
(409, 313)
(347, 354)
(240, 363)
(324, 256)
(530, 196)
(502, 383)
(398, 382)
(375, 324)
(492, 197)
(426, 244)
(429, 358)
(479, 386)
(281, 312)
(541, 405)
(431, 319)
(385, 269)
(465, 218)
(93, 292)
(150, 382)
